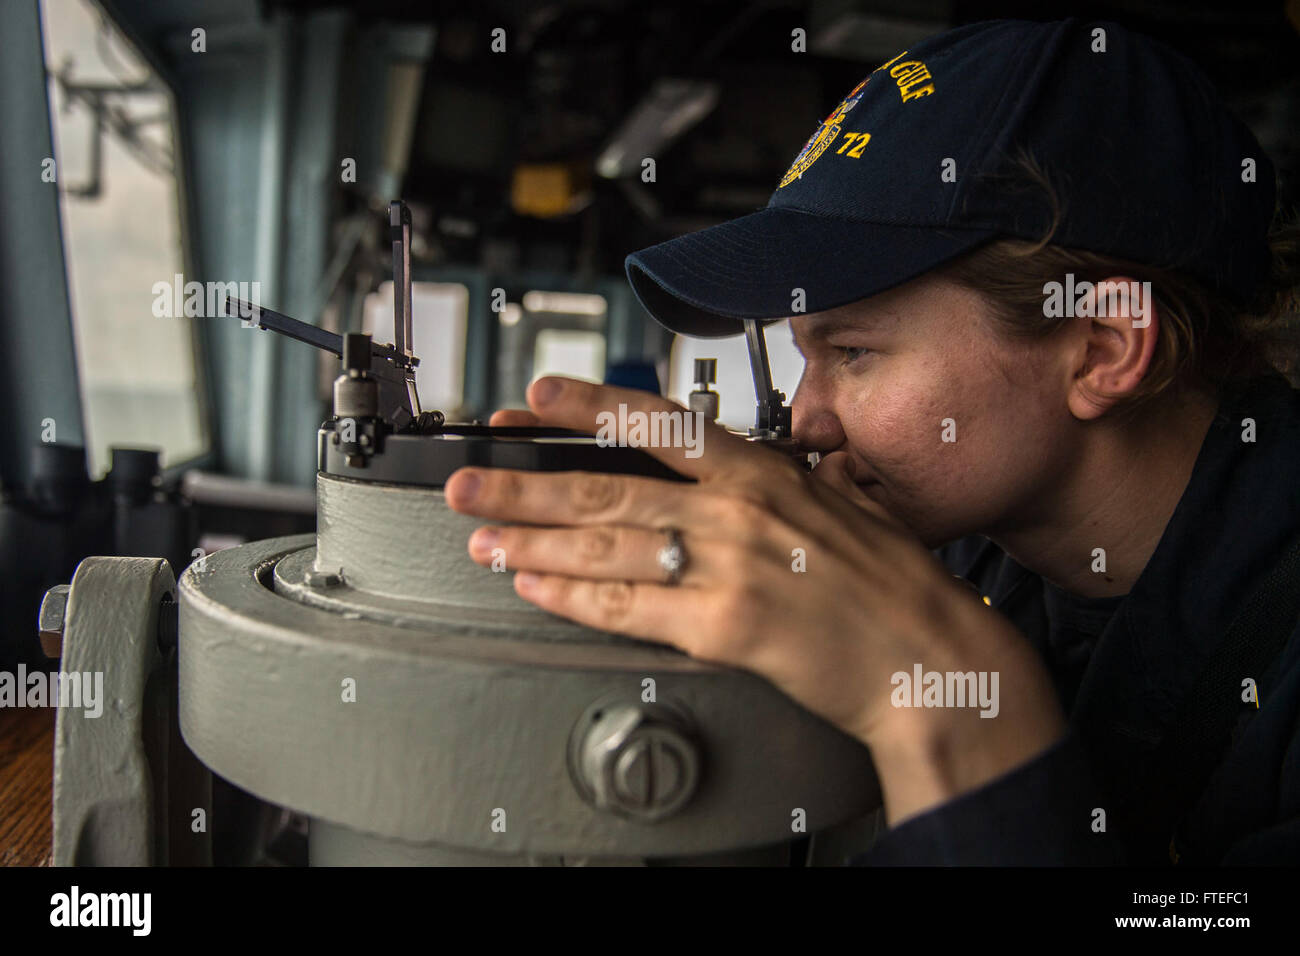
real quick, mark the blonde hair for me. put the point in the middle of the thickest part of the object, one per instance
(1204, 339)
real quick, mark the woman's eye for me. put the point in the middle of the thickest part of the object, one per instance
(850, 354)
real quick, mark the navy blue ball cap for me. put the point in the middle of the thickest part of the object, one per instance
(919, 164)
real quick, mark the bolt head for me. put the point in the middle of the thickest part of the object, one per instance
(315, 578)
(54, 609)
(638, 762)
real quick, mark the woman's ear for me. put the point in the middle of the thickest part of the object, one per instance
(1119, 323)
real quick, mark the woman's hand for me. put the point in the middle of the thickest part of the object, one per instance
(801, 578)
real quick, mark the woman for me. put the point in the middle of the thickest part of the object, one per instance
(1115, 468)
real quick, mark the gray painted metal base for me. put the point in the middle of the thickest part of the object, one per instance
(125, 789)
(417, 710)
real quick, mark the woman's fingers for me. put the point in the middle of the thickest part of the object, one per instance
(575, 498)
(653, 612)
(601, 551)
(513, 418)
(792, 512)
(837, 472)
(685, 441)
(616, 552)
(744, 489)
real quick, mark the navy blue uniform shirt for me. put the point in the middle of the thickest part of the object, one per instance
(1123, 667)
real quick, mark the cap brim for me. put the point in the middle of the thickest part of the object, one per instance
(704, 283)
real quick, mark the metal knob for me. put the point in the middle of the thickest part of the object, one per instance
(53, 613)
(638, 762)
(706, 372)
(703, 400)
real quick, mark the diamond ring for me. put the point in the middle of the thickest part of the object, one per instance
(672, 556)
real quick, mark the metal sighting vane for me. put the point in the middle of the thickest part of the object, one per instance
(393, 366)
(773, 418)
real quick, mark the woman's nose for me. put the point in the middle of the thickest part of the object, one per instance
(813, 422)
